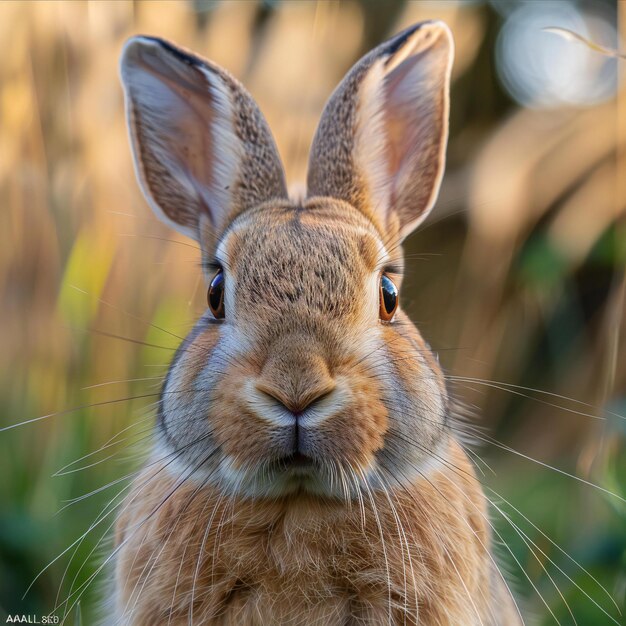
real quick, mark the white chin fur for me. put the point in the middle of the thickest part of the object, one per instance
(327, 481)
(264, 482)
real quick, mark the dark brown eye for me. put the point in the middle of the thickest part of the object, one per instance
(388, 298)
(215, 296)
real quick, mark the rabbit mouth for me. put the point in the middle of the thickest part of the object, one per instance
(295, 473)
(295, 463)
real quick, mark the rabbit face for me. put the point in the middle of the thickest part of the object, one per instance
(301, 385)
(303, 375)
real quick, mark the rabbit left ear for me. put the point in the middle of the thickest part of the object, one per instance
(202, 147)
(380, 144)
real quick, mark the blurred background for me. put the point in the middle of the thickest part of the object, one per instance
(517, 279)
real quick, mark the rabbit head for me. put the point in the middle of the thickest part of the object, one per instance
(304, 374)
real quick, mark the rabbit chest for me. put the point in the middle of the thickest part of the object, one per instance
(201, 557)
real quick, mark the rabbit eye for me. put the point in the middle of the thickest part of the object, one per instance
(388, 298)
(215, 296)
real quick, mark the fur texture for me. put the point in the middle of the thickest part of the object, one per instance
(305, 560)
(306, 470)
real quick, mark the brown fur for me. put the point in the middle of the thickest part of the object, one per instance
(300, 560)
(259, 175)
(306, 470)
(411, 133)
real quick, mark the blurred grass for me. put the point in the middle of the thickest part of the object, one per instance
(518, 278)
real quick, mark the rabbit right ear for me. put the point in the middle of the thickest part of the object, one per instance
(380, 145)
(203, 151)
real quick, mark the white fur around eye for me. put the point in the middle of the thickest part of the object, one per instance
(372, 289)
(221, 257)
(229, 296)
(373, 297)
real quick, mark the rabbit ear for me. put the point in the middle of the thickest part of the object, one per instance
(203, 151)
(380, 144)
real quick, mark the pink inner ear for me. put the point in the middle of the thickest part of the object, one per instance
(201, 145)
(413, 127)
(187, 77)
(194, 121)
(185, 100)
(403, 120)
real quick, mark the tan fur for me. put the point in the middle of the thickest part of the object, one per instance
(219, 124)
(356, 147)
(306, 469)
(304, 561)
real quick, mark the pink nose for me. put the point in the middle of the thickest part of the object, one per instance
(295, 377)
(297, 404)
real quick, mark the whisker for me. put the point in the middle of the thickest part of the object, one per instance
(501, 387)
(583, 481)
(75, 409)
(127, 313)
(382, 537)
(564, 553)
(120, 382)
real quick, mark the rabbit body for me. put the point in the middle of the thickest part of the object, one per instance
(307, 469)
(422, 559)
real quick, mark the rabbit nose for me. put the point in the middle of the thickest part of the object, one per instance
(296, 404)
(295, 382)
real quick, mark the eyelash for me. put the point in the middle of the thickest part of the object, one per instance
(212, 267)
(392, 270)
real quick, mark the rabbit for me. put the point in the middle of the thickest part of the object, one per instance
(306, 468)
